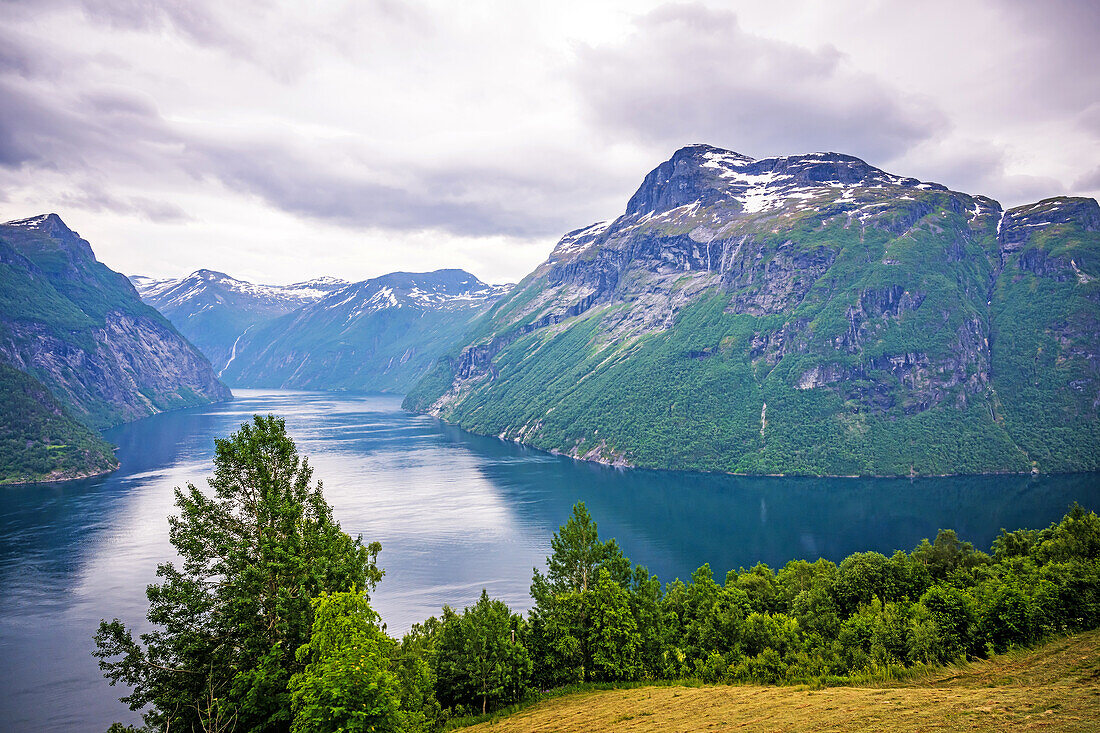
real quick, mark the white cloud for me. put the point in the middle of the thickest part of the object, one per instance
(383, 135)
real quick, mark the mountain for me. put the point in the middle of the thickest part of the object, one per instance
(805, 314)
(81, 330)
(40, 440)
(379, 335)
(213, 309)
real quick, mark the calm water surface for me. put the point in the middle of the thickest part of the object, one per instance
(455, 513)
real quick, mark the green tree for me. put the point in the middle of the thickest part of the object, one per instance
(227, 624)
(946, 554)
(411, 662)
(560, 621)
(345, 686)
(1076, 537)
(645, 603)
(577, 554)
(480, 655)
(861, 577)
(613, 632)
(760, 585)
(952, 610)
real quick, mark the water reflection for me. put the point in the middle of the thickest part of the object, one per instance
(454, 513)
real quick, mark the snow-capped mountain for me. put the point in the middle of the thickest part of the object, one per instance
(439, 290)
(179, 292)
(798, 314)
(213, 309)
(380, 334)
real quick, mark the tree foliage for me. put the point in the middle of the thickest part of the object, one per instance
(228, 622)
(480, 658)
(345, 685)
(262, 627)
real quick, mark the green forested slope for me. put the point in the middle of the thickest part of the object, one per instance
(1045, 313)
(39, 440)
(801, 315)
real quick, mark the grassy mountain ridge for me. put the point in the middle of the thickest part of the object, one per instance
(810, 315)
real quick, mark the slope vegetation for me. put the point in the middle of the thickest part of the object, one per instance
(1055, 688)
(39, 439)
(807, 314)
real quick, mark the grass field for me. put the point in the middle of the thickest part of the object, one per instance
(1053, 688)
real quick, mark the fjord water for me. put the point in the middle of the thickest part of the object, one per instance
(454, 512)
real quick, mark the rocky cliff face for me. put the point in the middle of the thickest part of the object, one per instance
(866, 311)
(80, 329)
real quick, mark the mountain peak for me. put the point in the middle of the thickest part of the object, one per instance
(706, 175)
(702, 149)
(211, 275)
(49, 224)
(444, 282)
(1061, 210)
(58, 234)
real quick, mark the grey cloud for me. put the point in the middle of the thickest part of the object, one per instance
(114, 134)
(1089, 120)
(44, 129)
(459, 200)
(119, 102)
(977, 167)
(195, 20)
(16, 56)
(691, 74)
(92, 198)
(1088, 182)
(1058, 68)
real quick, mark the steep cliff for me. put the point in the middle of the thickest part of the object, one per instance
(803, 314)
(80, 329)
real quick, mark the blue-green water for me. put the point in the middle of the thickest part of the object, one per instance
(454, 513)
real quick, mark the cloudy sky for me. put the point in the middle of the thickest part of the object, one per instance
(282, 140)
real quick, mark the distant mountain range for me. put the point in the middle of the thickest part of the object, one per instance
(380, 334)
(805, 314)
(80, 333)
(212, 309)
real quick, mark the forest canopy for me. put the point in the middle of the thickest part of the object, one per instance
(267, 626)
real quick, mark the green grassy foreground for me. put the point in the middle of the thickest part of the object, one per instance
(1053, 688)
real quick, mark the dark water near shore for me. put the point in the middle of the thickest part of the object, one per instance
(454, 513)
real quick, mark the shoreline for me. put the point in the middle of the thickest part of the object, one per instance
(623, 465)
(61, 480)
